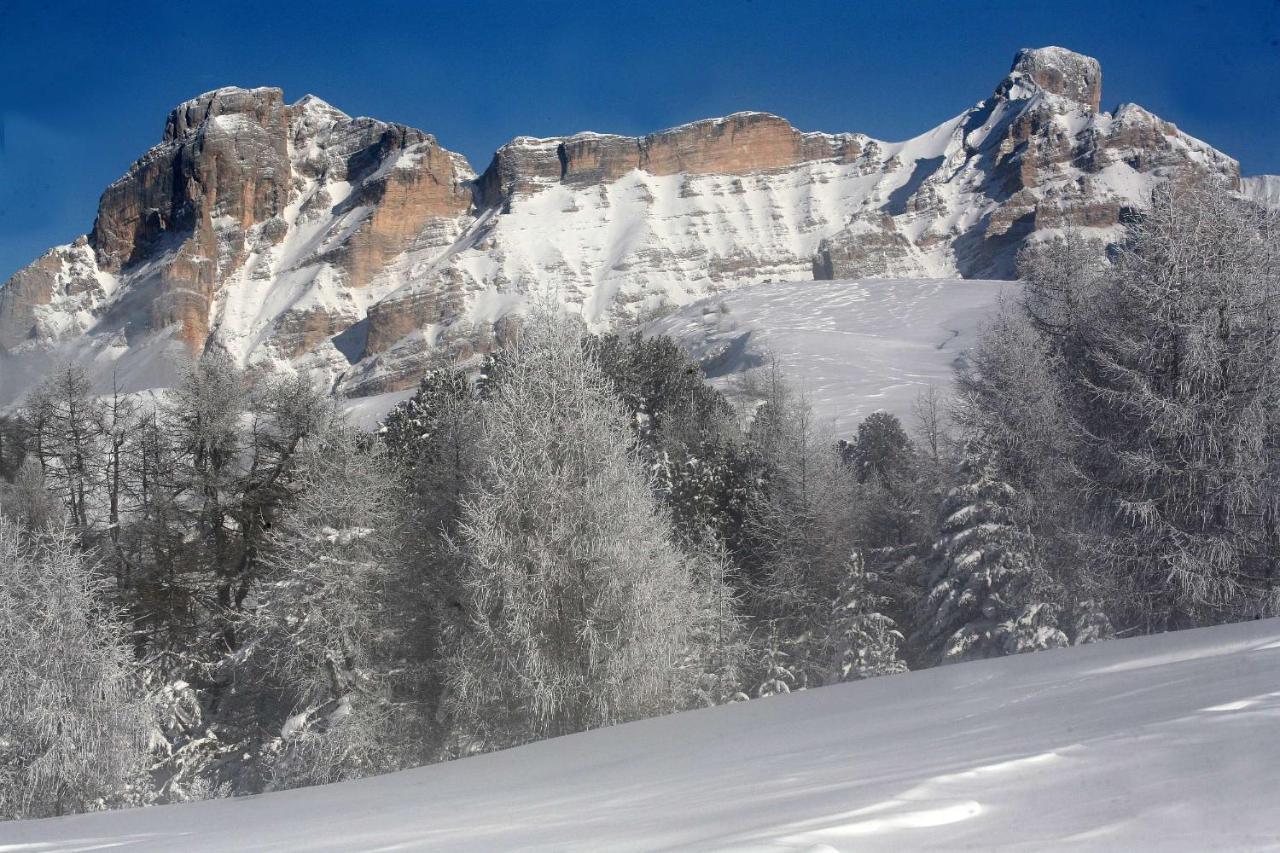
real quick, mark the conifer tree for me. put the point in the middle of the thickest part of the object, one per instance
(578, 607)
(330, 619)
(864, 642)
(74, 726)
(982, 597)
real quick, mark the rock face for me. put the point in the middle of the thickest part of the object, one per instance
(1060, 72)
(296, 235)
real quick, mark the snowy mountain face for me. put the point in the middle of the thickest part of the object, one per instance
(297, 236)
(1162, 743)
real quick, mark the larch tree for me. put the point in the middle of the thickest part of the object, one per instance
(74, 725)
(1176, 404)
(578, 607)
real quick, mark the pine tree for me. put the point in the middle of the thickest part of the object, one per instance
(74, 727)
(778, 678)
(981, 602)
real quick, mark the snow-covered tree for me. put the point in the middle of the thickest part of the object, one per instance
(779, 677)
(982, 597)
(864, 642)
(74, 726)
(578, 607)
(329, 617)
(28, 501)
(66, 433)
(1175, 397)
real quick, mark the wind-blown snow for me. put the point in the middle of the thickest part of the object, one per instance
(852, 346)
(1156, 743)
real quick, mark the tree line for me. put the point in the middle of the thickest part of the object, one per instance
(227, 588)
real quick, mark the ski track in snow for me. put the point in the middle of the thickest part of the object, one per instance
(852, 347)
(1165, 742)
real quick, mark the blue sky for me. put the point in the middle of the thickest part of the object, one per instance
(85, 86)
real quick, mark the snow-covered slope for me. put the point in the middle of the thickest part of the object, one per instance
(852, 346)
(1156, 743)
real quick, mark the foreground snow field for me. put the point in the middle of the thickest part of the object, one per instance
(853, 346)
(1168, 742)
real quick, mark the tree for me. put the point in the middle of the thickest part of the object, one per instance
(1012, 407)
(1175, 399)
(64, 425)
(864, 642)
(73, 725)
(578, 606)
(327, 630)
(28, 501)
(982, 601)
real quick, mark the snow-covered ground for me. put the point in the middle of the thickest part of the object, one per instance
(1155, 743)
(852, 346)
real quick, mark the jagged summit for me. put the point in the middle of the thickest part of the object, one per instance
(313, 103)
(226, 101)
(1058, 71)
(296, 235)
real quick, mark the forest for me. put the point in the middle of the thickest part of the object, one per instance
(226, 588)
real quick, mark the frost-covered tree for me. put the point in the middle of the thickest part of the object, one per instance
(74, 728)
(65, 431)
(1175, 398)
(28, 500)
(982, 598)
(330, 616)
(578, 607)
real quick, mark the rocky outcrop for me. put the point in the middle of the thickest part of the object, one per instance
(870, 246)
(1060, 72)
(740, 144)
(39, 300)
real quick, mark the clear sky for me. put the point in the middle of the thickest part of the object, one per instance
(85, 86)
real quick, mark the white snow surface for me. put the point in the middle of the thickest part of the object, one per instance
(1155, 743)
(852, 347)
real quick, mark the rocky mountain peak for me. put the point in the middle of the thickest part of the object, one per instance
(1057, 71)
(258, 105)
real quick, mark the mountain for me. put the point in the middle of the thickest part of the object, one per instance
(296, 235)
(1164, 742)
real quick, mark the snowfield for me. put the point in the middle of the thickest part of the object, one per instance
(852, 346)
(1166, 742)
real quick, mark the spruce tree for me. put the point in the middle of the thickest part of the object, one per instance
(864, 642)
(981, 601)
(331, 618)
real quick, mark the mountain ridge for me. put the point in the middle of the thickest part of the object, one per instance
(301, 237)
